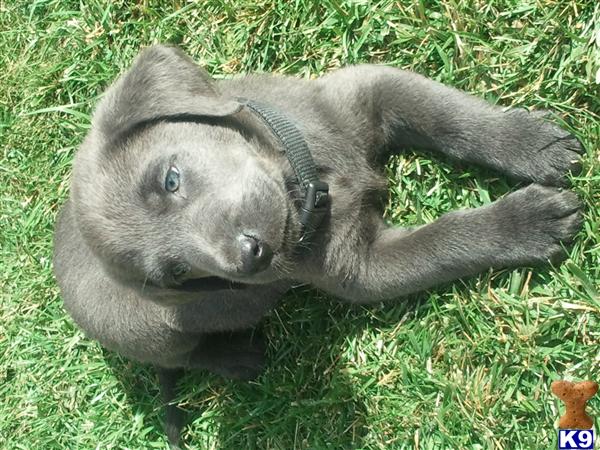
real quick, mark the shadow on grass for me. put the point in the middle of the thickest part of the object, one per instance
(309, 396)
(305, 399)
(139, 383)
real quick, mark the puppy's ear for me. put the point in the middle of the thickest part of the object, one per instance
(162, 83)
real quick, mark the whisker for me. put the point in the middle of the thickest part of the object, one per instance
(144, 283)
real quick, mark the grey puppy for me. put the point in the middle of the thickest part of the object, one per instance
(183, 225)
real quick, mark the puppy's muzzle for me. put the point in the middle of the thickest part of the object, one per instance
(255, 255)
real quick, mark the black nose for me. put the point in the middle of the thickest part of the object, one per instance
(255, 254)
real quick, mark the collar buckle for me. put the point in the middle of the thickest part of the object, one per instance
(314, 208)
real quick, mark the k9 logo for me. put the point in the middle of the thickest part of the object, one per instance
(575, 439)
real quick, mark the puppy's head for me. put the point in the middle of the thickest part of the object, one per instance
(171, 192)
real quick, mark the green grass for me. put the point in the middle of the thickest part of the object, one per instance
(467, 365)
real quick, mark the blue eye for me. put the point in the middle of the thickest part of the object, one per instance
(172, 179)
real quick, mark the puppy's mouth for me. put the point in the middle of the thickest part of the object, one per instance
(207, 284)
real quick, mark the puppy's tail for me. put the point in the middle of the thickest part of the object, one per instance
(174, 416)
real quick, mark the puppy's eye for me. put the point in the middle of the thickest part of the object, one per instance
(172, 179)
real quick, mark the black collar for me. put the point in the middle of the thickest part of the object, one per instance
(314, 192)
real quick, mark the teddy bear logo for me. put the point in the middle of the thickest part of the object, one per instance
(575, 397)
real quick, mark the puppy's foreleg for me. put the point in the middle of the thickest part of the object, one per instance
(407, 109)
(526, 227)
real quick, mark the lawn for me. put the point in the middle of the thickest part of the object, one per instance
(467, 365)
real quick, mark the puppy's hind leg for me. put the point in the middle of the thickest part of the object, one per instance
(174, 416)
(407, 109)
(238, 355)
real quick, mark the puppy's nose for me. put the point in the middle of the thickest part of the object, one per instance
(256, 255)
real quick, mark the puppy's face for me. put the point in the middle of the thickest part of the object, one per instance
(181, 204)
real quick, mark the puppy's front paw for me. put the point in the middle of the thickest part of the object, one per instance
(551, 152)
(538, 221)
